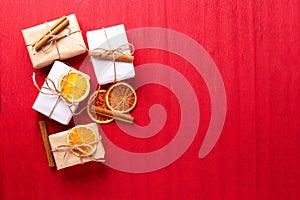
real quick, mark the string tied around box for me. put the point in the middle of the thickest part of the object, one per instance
(50, 38)
(72, 147)
(54, 91)
(123, 53)
(54, 39)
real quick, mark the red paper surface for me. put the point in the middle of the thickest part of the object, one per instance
(255, 45)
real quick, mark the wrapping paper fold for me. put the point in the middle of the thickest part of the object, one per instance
(46, 103)
(67, 47)
(63, 160)
(104, 69)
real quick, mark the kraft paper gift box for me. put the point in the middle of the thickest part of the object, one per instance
(106, 38)
(69, 46)
(47, 104)
(65, 159)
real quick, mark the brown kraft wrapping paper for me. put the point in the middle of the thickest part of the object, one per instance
(69, 45)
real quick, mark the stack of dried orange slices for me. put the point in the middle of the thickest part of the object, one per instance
(120, 98)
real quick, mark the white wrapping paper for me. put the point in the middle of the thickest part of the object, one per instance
(45, 103)
(104, 69)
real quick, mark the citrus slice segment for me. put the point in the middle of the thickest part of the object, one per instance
(98, 99)
(121, 97)
(75, 85)
(83, 135)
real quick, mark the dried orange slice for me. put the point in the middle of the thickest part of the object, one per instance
(83, 135)
(75, 85)
(98, 99)
(121, 97)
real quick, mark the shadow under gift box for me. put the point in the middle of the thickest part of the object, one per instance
(69, 45)
(51, 104)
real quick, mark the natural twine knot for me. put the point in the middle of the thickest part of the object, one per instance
(53, 39)
(74, 146)
(124, 49)
(69, 148)
(114, 53)
(54, 91)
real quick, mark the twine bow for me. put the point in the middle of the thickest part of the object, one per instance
(53, 39)
(124, 49)
(50, 85)
(68, 148)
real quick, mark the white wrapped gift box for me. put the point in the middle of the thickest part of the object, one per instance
(47, 104)
(109, 38)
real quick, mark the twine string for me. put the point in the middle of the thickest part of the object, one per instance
(69, 148)
(124, 49)
(53, 40)
(54, 91)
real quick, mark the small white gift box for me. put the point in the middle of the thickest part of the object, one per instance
(64, 159)
(52, 105)
(109, 38)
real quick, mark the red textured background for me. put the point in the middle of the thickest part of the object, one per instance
(256, 46)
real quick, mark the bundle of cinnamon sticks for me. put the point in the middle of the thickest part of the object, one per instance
(53, 30)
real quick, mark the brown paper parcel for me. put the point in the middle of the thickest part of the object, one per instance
(72, 44)
(63, 160)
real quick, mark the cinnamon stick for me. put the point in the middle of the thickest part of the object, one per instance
(118, 57)
(116, 115)
(46, 38)
(63, 18)
(47, 147)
